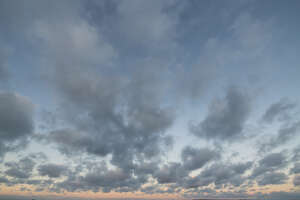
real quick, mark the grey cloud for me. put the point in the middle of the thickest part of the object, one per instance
(240, 168)
(128, 114)
(4, 72)
(100, 178)
(296, 154)
(198, 181)
(145, 168)
(171, 173)
(106, 114)
(153, 30)
(108, 179)
(196, 158)
(118, 112)
(295, 169)
(3, 180)
(17, 173)
(21, 169)
(278, 110)
(226, 118)
(273, 160)
(223, 174)
(285, 134)
(296, 180)
(155, 17)
(270, 162)
(219, 174)
(52, 170)
(14, 109)
(274, 178)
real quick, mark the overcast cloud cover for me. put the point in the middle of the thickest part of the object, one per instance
(149, 99)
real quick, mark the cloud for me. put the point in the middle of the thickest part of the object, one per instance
(14, 109)
(3, 180)
(285, 134)
(155, 28)
(170, 173)
(278, 110)
(269, 163)
(104, 113)
(52, 170)
(21, 169)
(100, 178)
(107, 180)
(115, 75)
(296, 153)
(4, 72)
(193, 158)
(296, 181)
(273, 178)
(219, 174)
(226, 118)
(295, 169)
(240, 168)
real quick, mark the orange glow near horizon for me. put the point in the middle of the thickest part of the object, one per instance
(4, 190)
(16, 191)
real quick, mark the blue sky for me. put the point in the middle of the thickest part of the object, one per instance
(149, 99)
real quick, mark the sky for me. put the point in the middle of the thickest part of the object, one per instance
(168, 99)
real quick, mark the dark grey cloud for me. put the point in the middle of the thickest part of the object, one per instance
(16, 121)
(171, 173)
(240, 168)
(52, 170)
(272, 178)
(194, 158)
(278, 110)
(226, 118)
(269, 163)
(21, 169)
(107, 180)
(15, 110)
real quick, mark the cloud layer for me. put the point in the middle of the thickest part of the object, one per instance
(152, 97)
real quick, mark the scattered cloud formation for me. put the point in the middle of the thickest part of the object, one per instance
(155, 98)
